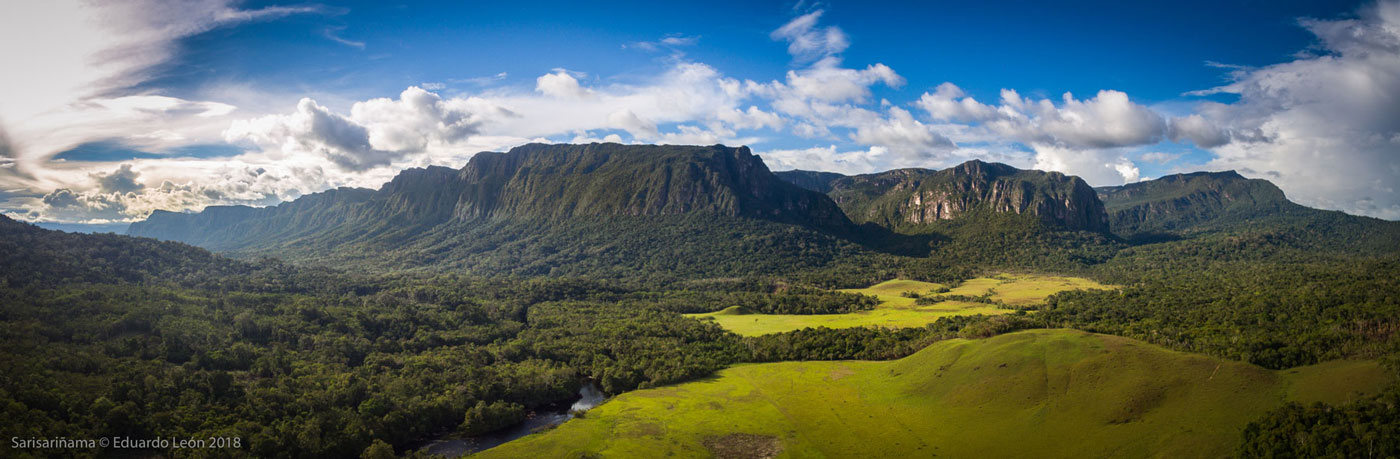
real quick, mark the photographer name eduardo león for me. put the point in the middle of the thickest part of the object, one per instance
(125, 443)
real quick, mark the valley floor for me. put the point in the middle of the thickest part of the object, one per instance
(897, 310)
(1051, 393)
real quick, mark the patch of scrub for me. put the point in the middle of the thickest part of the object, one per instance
(744, 446)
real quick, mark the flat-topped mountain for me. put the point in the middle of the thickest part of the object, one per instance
(911, 200)
(1177, 202)
(562, 181)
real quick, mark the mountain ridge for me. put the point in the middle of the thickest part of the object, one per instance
(550, 182)
(913, 199)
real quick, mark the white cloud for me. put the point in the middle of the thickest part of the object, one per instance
(807, 42)
(1107, 120)
(1325, 128)
(828, 82)
(949, 103)
(1157, 157)
(78, 61)
(560, 84)
(827, 159)
(679, 40)
(903, 134)
(1083, 137)
(312, 129)
(417, 120)
(218, 182)
(1197, 130)
(1320, 126)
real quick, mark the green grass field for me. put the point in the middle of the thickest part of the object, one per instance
(898, 311)
(1041, 393)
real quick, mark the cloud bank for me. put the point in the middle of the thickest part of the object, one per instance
(1324, 126)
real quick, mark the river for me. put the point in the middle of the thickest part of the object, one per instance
(453, 445)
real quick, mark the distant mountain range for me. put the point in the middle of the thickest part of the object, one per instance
(544, 198)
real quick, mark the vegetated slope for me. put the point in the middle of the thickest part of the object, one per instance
(1047, 393)
(1200, 202)
(30, 255)
(913, 200)
(1178, 202)
(554, 196)
(233, 227)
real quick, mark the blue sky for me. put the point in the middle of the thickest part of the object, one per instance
(154, 104)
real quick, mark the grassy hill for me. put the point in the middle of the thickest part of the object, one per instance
(898, 309)
(1053, 393)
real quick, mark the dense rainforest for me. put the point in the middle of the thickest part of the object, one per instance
(365, 337)
(109, 338)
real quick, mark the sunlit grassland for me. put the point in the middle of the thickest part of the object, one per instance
(1050, 393)
(898, 311)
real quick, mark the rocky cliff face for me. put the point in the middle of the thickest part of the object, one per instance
(908, 199)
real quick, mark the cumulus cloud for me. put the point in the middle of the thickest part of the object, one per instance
(312, 129)
(122, 180)
(948, 102)
(1107, 120)
(560, 84)
(415, 121)
(903, 134)
(220, 183)
(1324, 127)
(1085, 137)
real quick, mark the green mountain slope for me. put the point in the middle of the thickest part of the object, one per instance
(1214, 202)
(1178, 202)
(33, 256)
(231, 227)
(1045, 393)
(915, 200)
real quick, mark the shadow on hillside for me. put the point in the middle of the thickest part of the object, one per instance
(881, 239)
(1152, 237)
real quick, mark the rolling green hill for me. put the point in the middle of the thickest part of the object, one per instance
(1045, 393)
